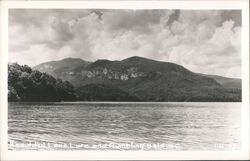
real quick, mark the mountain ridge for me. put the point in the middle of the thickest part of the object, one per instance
(99, 61)
(144, 79)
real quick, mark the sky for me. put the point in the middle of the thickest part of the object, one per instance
(203, 41)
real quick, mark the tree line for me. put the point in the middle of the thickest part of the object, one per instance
(25, 84)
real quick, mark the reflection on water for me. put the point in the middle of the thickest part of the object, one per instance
(174, 126)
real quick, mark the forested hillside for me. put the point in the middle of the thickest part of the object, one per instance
(25, 84)
(131, 79)
(140, 79)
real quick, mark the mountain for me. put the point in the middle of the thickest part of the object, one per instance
(230, 83)
(141, 79)
(62, 67)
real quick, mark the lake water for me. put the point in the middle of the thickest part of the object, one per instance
(124, 126)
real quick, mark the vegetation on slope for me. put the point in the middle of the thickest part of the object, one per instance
(24, 84)
(101, 92)
(132, 79)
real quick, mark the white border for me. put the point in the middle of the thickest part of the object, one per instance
(126, 155)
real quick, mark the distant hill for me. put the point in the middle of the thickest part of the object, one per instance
(226, 82)
(62, 67)
(141, 79)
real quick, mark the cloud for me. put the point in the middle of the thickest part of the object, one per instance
(204, 41)
(139, 20)
(234, 15)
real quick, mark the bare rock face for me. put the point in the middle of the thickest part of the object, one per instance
(107, 73)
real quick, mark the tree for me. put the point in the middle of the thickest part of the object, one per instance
(27, 85)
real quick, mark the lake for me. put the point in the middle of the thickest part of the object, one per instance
(124, 126)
